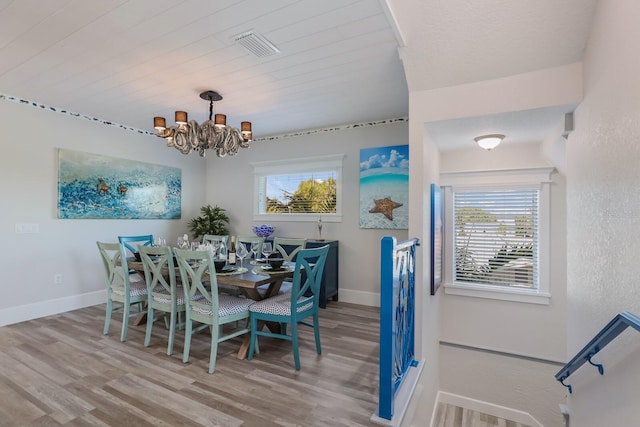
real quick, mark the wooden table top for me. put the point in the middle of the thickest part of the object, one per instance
(248, 279)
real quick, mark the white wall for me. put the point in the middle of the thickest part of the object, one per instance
(444, 315)
(521, 328)
(511, 327)
(230, 185)
(28, 178)
(424, 169)
(604, 218)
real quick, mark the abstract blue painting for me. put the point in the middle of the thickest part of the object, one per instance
(92, 186)
(384, 187)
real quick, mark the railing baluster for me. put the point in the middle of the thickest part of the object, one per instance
(397, 311)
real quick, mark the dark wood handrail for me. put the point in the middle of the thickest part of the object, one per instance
(614, 328)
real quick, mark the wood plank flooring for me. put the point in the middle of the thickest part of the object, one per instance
(61, 370)
(454, 416)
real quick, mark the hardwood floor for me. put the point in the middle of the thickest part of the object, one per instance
(61, 370)
(454, 416)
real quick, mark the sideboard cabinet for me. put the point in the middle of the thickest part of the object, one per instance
(329, 286)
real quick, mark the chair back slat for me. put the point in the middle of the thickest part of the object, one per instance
(197, 272)
(308, 276)
(130, 243)
(154, 261)
(208, 238)
(248, 240)
(111, 254)
(288, 247)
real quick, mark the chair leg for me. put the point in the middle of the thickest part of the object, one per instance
(294, 343)
(215, 335)
(254, 337)
(172, 332)
(187, 339)
(107, 316)
(125, 321)
(316, 332)
(147, 335)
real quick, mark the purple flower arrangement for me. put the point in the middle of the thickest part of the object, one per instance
(263, 230)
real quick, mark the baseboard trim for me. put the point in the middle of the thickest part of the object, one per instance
(22, 313)
(486, 408)
(371, 299)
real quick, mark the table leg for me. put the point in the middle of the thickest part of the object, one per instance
(274, 288)
(246, 342)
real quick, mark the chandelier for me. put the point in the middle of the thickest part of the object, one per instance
(210, 135)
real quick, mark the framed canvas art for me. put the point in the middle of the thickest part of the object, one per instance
(384, 187)
(437, 230)
(92, 186)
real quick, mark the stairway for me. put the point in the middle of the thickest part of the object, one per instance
(448, 415)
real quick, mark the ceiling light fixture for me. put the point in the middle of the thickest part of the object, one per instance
(489, 142)
(210, 135)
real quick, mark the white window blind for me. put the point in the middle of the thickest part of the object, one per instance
(312, 192)
(299, 189)
(496, 237)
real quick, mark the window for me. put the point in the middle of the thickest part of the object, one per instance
(497, 236)
(299, 189)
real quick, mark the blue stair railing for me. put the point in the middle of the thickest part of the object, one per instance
(614, 328)
(397, 313)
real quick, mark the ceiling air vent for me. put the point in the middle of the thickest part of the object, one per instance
(256, 44)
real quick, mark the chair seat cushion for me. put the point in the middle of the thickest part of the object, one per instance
(228, 304)
(279, 305)
(137, 289)
(163, 296)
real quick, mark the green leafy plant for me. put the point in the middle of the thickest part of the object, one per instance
(213, 220)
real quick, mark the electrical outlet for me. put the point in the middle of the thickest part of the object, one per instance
(22, 228)
(57, 279)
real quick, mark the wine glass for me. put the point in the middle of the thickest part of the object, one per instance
(215, 248)
(241, 252)
(254, 249)
(267, 250)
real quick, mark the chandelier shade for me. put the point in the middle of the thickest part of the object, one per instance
(187, 136)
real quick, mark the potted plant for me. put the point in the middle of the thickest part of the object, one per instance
(213, 220)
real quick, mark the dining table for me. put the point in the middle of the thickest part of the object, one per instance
(249, 280)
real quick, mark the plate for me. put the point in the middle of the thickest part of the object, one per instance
(232, 271)
(267, 269)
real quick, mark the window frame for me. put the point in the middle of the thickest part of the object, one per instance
(333, 162)
(539, 178)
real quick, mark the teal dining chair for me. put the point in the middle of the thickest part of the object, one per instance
(120, 288)
(214, 310)
(288, 248)
(131, 242)
(164, 296)
(293, 308)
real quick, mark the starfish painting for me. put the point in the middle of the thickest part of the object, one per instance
(385, 206)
